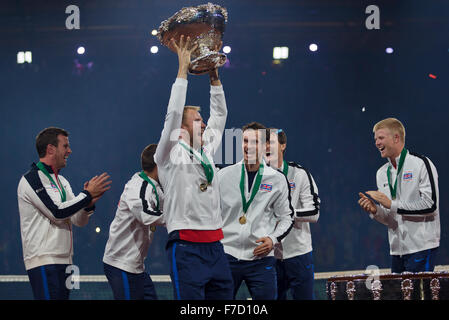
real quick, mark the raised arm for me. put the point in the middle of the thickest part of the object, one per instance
(218, 112)
(176, 103)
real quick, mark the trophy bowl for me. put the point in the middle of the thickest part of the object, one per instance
(205, 25)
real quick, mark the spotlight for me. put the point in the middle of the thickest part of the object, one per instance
(154, 32)
(313, 47)
(389, 50)
(226, 49)
(23, 57)
(154, 49)
(97, 229)
(28, 56)
(20, 57)
(280, 53)
(81, 50)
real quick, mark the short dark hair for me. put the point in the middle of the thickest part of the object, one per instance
(147, 157)
(48, 136)
(282, 136)
(254, 126)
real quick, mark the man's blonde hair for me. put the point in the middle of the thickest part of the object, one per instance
(187, 108)
(394, 125)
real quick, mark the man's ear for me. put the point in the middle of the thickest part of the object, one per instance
(283, 147)
(51, 149)
(396, 138)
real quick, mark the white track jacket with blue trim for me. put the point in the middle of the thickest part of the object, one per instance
(306, 203)
(269, 215)
(413, 220)
(180, 174)
(129, 234)
(46, 221)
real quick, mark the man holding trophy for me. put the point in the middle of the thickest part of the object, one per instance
(199, 268)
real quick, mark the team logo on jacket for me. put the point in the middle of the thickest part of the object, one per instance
(292, 185)
(53, 186)
(407, 176)
(266, 187)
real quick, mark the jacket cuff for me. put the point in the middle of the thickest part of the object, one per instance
(87, 193)
(181, 81)
(90, 209)
(394, 206)
(216, 89)
(377, 212)
(274, 240)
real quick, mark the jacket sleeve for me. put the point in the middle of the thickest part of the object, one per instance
(427, 202)
(141, 201)
(308, 206)
(383, 215)
(42, 196)
(81, 218)
(284, 212)
(172, 125)
(216, 123)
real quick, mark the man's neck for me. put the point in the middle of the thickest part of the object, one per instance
(191, 144)
(49, 162)
(251, 167)
(280, 161)
(152, 175)
(393, 159)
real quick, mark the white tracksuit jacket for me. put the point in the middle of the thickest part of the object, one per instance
(45, 221)
(180, 174)
(413, 220)
(269, 215)
(129, 234)
(306, 203)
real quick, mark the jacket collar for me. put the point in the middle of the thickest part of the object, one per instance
(397, 160)
(261, 162)
(49, 168)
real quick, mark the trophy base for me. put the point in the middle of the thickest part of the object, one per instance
(207, 63)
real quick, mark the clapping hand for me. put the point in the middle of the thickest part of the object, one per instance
(97, 186)
(367, 204)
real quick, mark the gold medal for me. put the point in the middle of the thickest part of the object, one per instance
(153, 228)
(242, 219)
(203, 186)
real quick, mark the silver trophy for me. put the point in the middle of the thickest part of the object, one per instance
(205, 24)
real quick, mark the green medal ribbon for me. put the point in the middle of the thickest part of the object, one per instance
(42, 168)
(400, 165)
(285, 170)
(255, 186)
(208, 170)
(145, 177)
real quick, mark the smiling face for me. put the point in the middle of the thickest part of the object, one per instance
(388, 143)
(253, 145)
(61, 152)
(193, 125)
(275, 151)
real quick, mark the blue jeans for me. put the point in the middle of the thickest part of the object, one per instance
(297, 274)
(49, 282)
(129, 286)
(259, 276)
(420, 261)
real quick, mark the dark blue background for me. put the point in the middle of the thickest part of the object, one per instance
(116, 108)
